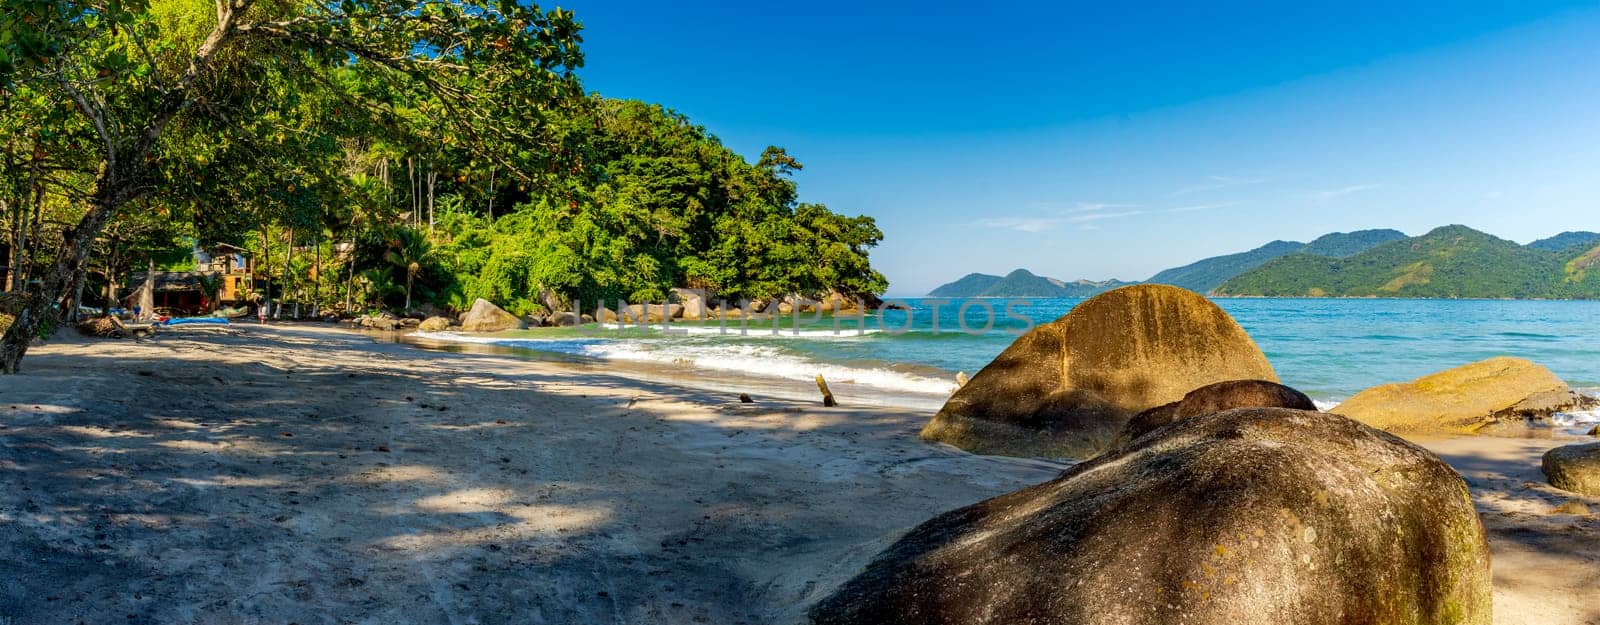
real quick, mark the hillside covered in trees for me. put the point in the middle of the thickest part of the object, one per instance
(1206, 274)
(388, 154)
(1022, 283)
(1448, 262)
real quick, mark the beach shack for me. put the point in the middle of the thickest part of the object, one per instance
(181, 292)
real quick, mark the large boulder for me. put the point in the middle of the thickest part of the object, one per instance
(1067, 387)
(1466, 399)
(1574, 467)
(486, 317)
(1256, 515)
(1215, 398)
(694, 303)
(434, 324)
(651, 313)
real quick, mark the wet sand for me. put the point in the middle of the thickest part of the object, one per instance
(305, 474)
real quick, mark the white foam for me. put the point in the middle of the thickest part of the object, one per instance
(752, 330)
(756, 360)
(768, 361)
(1325, 405)
(1575, 418)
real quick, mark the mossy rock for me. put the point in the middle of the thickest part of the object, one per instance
(1255, 515)
(1465, 399)
(1214, 398)
(1574, 468)
(1067, 387)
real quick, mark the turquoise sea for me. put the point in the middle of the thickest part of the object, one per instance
(1328, 348)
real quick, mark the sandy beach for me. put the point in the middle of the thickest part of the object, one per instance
(307, 474)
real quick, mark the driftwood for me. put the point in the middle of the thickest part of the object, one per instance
(827, 395)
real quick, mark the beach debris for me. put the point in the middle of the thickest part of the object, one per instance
(1066, 387)
(961, 379)
(1122, 535)
(1594, 431)
(1214, 398)
(1574, 468)
(744, 398)
(1571, 506)
(1466, 399)
(827, 395)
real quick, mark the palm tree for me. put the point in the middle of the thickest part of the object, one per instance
(408, 250)
(210, 287)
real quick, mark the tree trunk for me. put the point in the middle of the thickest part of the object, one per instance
(266, 271)
(147, 299)
(411, 186)
(77, 241)
(491, 194)
(433, 176)
(316, 277)
(14, 249)
(77, 294)
(291, 288)
(111, 279)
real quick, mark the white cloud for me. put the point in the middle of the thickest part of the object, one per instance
(1330, 194)
(1218, 182)
(1021, 224)
(1201, 207)
(1084, 215)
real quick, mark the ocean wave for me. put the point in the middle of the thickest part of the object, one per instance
(1575, 418)
(750, 331)
(1325, 405)
(745, 359)
(761, 360)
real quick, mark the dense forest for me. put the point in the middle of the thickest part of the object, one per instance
(1447, 262)
(386, 154)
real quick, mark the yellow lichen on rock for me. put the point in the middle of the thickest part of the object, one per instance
(1067, 387)
(1464, 399)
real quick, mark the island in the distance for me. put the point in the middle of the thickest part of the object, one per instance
(1448, 262)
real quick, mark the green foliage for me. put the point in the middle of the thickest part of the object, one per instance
(390, 152)
(1449, 262)
(657, 203)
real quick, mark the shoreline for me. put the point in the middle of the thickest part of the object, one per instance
(307, 473)
(794, 389)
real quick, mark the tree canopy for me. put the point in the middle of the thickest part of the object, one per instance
(378, 153)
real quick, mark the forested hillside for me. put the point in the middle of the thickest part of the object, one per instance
(1448, 262)
(385, 154)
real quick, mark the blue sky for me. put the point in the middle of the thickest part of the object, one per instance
(1111, 142)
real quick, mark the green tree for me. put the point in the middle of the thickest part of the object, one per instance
(475, 75)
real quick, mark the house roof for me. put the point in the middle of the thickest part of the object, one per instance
(170, 281)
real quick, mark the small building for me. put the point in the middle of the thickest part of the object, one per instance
(236, 268)
(178, 291)
(181, 291)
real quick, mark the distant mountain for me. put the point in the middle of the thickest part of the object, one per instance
(1346, 244)
(1204, 275)
(1448, 262)
(1566, 241)
(970, 285)
(1021, 283)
